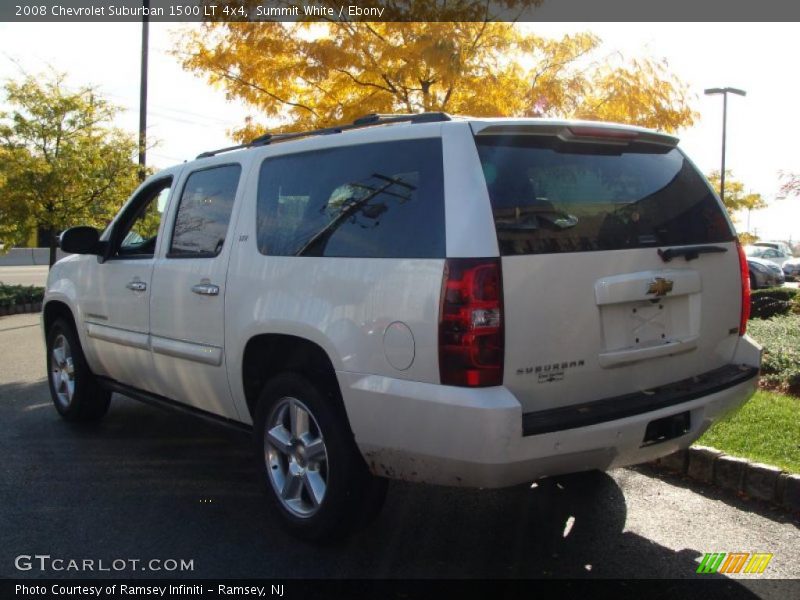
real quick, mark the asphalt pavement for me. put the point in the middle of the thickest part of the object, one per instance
(146, 483)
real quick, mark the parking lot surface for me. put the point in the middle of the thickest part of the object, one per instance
(145, 483)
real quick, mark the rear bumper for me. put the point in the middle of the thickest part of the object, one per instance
(474, 437)
(637, 403)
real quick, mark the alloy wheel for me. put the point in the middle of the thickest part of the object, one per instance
(296, 457)
(62, 371)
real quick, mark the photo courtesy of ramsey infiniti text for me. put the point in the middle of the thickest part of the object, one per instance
(455, 301)
(158, 591)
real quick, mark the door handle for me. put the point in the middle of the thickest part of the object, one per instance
(136, 286)
(206, 289)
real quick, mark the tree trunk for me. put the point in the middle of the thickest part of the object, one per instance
(426, 88)
(53, 242)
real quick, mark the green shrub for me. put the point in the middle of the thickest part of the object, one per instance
(11, 295)
(780, 337)
(770, 302)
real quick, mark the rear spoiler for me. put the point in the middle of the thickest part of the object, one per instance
(578, 132)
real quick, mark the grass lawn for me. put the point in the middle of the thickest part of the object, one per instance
(766, 429)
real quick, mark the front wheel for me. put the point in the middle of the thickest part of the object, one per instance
(315, 473)
(75, 392)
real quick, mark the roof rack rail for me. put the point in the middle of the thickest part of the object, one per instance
(379, 119)
(365, 121)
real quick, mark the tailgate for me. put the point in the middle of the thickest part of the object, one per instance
(581, 327)
(620, 268)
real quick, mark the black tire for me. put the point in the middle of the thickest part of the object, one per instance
(87, 400)
(352, 495)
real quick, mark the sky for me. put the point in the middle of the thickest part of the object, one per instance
(187, 116)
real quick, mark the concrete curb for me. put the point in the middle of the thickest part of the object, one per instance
(734, 474)
(17, 309)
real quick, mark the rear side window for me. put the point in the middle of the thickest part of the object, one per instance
(550, 196)
(204, 212)
(382, 200)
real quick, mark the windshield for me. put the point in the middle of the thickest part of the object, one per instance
(552, 196)
(757, 251)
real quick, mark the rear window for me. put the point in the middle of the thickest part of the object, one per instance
(382, 200)
(550, 196)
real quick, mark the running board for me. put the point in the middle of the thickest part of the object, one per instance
(171, 405)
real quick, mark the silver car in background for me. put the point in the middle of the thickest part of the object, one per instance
(764, 273)
(791, 269)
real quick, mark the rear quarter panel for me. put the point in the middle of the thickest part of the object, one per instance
(344, 305)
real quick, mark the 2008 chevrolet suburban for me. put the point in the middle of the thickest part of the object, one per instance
(459, 301)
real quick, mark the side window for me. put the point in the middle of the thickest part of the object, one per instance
(381, 200)
(138, 233)
(204, 212)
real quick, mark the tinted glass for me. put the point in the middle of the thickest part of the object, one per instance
(382, 200)
(139, 238)
(204, 211)
(551, 196)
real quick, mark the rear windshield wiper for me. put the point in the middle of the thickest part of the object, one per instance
(689, 252)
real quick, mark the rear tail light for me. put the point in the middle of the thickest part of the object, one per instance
(744, 273)
(471, 346)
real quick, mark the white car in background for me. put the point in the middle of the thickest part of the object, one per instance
(777, 245)
(772, 255)
(459, 301)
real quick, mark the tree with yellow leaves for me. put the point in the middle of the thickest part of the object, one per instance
(736, 198)
(62, 161)
(310, 75)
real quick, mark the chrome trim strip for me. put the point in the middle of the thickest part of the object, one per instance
(124, 337)
(209, 355)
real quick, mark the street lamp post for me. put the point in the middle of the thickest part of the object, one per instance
(143, 94)
(724, 91)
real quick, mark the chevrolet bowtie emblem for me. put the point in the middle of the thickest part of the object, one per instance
(659, 286)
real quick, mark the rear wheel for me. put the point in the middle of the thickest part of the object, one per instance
(73, 387)
(315, 473)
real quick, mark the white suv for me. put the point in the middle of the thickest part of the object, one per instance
(458, 301)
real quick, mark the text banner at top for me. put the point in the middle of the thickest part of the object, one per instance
(399, 10)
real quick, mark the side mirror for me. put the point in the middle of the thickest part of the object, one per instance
(80, 240)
